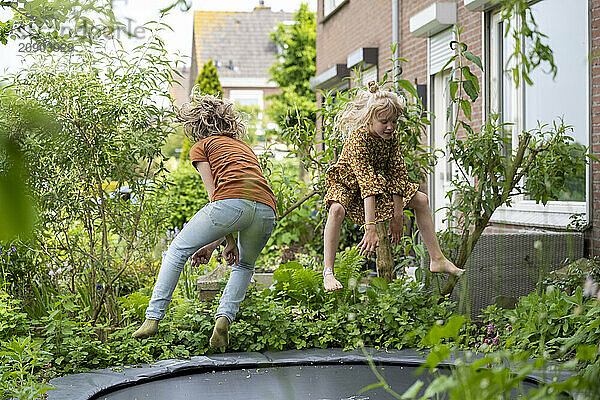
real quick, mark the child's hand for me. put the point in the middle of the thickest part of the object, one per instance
(369, 242)
(231, 253)
(331, 283)
(395, 230)
(202, 256)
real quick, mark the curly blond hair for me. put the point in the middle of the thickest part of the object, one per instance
(369, 102)
(205, 115)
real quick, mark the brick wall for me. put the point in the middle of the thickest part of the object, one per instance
(593, 235)
(356, 24)
(368, 23)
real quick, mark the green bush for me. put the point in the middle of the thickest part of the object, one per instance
(21, 271)
(208, 80)
(21, 373)
(397, 317)
(296, 283)
(551, 324)
(497, 375)
(99, 122)
(187, 195)
(13, 322)
(574, 274)
(73, 342)
(298, 228)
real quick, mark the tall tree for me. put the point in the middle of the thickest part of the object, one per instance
(42, 20)
(208, 80)
(296, 65)
(39, 20)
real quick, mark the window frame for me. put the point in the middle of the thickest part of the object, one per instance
(329, 10)
(365, 75)
(243, 94)
(443, 97)
(440, 94)
(555, 214)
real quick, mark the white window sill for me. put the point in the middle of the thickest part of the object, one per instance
(555, 214)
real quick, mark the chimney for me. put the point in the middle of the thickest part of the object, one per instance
(261, 6)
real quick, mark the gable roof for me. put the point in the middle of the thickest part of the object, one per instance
(238, 42)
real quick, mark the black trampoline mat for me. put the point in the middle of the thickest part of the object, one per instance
(318, 382)
(308, 382)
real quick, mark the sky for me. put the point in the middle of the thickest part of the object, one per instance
(137, 12)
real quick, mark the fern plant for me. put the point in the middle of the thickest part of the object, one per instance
(303, 285)
(298, 283)
(348, 272)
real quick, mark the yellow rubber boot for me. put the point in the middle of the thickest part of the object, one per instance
(148, 328)
(220, 335)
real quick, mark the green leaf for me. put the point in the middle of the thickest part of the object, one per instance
(473, 58)
(466, 107)
(406, 85)
(471, 77)
(466, 126)
(413, 390)
(379, 283)
(450, 61)
(587, 352)
(449, 330)
(438, 354)
(471, 90)
(16, 208)
(440, 384)
(453, 89)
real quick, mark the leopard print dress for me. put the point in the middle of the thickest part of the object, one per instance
(368, 166)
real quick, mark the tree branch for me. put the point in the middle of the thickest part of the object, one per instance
(297, 204)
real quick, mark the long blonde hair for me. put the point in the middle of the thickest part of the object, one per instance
(369, 102)
(206, 115)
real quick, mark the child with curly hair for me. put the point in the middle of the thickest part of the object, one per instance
(369, 182)
(240, 201)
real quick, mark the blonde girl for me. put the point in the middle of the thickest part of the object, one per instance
(240, 201)
(369, 183)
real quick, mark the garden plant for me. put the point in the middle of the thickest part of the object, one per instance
(81, 139)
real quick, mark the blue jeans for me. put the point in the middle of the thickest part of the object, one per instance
(254, 223)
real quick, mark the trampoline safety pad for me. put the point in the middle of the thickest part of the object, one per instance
(316, 374)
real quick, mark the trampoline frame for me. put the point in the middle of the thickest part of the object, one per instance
(94, 384)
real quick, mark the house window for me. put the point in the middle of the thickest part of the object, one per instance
(548, 99)
(330, 6)
(368, 75)
(247, 98)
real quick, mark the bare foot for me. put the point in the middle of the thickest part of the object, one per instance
(331, 283)
(445, 266)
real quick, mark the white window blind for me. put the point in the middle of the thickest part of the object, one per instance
(439, 50)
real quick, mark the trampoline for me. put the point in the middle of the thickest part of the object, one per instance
(319, 374)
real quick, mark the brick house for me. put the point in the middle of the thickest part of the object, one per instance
(241, 48)
(359, 33)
